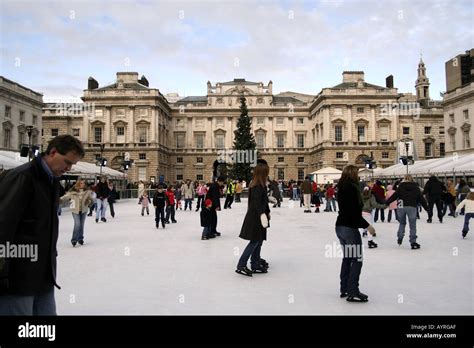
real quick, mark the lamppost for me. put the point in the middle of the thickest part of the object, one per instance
(407, 146)
(102, 146)
(29, 130)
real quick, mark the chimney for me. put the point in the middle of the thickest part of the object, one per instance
(144, 81)
(127, 77)
(389, 81)
(352, 76)
(92, 83)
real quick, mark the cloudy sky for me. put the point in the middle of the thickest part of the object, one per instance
(54, 46)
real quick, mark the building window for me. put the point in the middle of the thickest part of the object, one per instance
(339, 155)
(428, 152)
(8, 111)
(300, 120)
(54, 132)
(406, 130)
(6, 138)
(120, 131)
(199, 141)
(300, 140)
(338, 133)
(281, 159)
(97, 134)
(35, 119)
(300, 174)
(383, 129)
(220, 122)
(260, 139)
(22, 116)
(280, 140)
(280, 120)
(199, 159)
(281, 173)
(427, 130)
(21, 137)
(300, 159)
(179, 141)
(179, 159)
(441, 129)
(360, 110)
(442, 149)
(75, 132)
(260, 121)
(220, 141)
(452, 140)
(451, 118)
(466, 114)
(385, 155)
(142, 134)
(142, 156)
(179, 177)
(199, 177)
(466, 140)
(361, 133)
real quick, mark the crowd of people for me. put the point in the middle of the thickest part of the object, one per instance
(32, 198)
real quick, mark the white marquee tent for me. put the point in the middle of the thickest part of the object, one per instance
(325, 175)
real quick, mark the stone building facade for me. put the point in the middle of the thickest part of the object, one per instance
(20, 108)
(296, 133)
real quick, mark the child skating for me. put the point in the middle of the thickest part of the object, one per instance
(468, 205)
(206, 219)
(145, 203)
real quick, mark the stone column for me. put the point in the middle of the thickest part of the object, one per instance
(372, 123)
(153, 126)
(350, 125)
(326, 123)
(132, 125)
(108, 124)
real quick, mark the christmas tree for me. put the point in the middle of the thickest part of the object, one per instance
(243, 141)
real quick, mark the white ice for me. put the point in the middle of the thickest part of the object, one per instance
(128, 267)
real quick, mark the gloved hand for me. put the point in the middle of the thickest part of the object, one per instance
(264, 220)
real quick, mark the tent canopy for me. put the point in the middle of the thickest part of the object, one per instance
(9, 159)
(327, 170)
(325, 175)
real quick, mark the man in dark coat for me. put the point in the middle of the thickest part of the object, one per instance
(103, 193)
(28, 219)
(434, 192)
(214, 194)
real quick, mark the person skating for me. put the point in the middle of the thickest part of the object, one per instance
(206, 219)
(369, 205)
(178, 194)
(145, 203)
(408, 196)
(238, 191)
(379, 192)
(349, 220)
(274, 193)
(80, 199)
(214, 194)
(434, 191)
(393, 206)
(256, 222)
(450, 198)
(112, 197)
(160, 201)
(306, 191)
(330, 199)
(188, 193)
(170, 207)
(201, 191)
(103, 193)
(229, 197)
(468, 206)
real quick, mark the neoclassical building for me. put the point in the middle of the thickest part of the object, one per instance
(296, 133)
(20, 111)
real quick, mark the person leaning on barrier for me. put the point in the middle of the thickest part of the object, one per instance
(28, 216)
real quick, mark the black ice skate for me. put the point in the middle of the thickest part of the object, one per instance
(360, 297)
(415, 246)
(464, 233)
(259, 269)
(372, 244)
(81, 242)
(103, 220)
(244, 271)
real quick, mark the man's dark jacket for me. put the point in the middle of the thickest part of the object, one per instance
(28, 215)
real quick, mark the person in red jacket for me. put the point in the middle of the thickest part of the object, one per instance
(379, 192)
(170, 207)
(330, 199)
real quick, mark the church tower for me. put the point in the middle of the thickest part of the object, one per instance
(422, 84)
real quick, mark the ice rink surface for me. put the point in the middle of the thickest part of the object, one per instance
(128, 267)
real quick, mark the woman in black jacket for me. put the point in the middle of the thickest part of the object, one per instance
(348, 222)
(254, 228)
